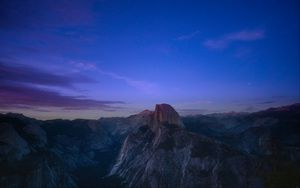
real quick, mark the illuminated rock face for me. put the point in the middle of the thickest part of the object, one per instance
(163, 154)
(165, 114)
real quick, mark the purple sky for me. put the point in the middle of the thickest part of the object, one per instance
(90, 59)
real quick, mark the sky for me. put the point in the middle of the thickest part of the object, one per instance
(98, 58)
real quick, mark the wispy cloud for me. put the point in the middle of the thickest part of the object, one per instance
(266, 102)
(145, 86)
(30, 75)
(18, 95)
(23, 87)
(241, 36)
(138, 84)
(188, 36)
(83, 65)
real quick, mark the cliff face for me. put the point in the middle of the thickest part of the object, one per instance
(153, 149)
(165, 114)
(163, 154)
(25, 161)
(60, 153)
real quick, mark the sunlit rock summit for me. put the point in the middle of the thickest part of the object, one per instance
(165, 114)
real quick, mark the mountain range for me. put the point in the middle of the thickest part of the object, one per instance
(153, 149)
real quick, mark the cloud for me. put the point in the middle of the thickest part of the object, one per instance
(138, 84)
(141, 85)
(30, 75)
(241, 36)
(266, 102)
(20, 88)
(83, 65)
(188, 36)
(16, 95)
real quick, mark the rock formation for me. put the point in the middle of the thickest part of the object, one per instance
(165, 114)
(153, 149)
(163, 154)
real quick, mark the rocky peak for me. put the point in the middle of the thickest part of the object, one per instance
(145, 113)
(165, 113)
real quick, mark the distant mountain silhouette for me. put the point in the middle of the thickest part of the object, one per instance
(153, 149)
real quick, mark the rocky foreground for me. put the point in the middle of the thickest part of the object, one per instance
(153, 149)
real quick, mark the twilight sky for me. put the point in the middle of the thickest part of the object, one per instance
(90, 59)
